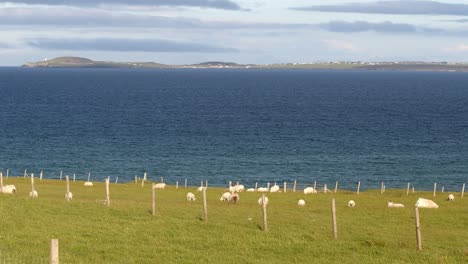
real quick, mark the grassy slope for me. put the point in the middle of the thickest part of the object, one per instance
(89, 232)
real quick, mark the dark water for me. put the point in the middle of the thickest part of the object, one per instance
(220, 125)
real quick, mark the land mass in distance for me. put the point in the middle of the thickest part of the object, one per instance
(77, 62)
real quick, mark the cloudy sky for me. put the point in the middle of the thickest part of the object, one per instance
(244, 31)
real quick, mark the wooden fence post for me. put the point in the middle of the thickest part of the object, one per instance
(1, 182)
(54, 251)
(7, 173)
(67, 195)
(143, 182)
(89, 176)
(336, 186)
(264, 210)
(40, 176)
(294, 186)
(205, 209)
(418, 228)
(443, 188)
(185, 183)
(268, 186)
(325, 188)
(116, 179)
(412, 189)
(61, 173)
(206, 183)
(284, 187)
(435, 189)
(335, 231)
(407, 189)
(25, 173)
(256, 186)
(145, 176)
(153, 199)
(315, 185)
(358, 187)
(463, 190)
(162, 179)
(136, 179)
(32, 186)
(107, 191)
(381, 188)
(177, 185)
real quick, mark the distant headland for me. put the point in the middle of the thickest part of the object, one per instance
(77, 62)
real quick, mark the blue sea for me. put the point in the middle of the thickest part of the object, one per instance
(239, 125)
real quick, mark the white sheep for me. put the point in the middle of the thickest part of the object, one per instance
(351, 203)
(239, 188)
(160, 186)
(88, 184)
(69, 196)
(260, 201)
(274, 188)
(262, 189)
(10, 189)
(191, 197)
(425, 203)
(309, 190)
(391, 204)
(33, 194)
(451, 197)
(301, 202)
(226, 197)
(251, 190)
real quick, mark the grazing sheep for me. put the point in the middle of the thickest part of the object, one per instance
(391, 204)
(160, 186)
(234, 198)
(10, 189)
(251, 190)
(226, 197)
(351, 203)
(451, 197)
(191, 197)
(425, 203)
(69, 196)
(274, 188)
(301, 202)
(88, 184)
(309, 190)
(260, 201)
(239, 188)
(33, 194)
(262, 189)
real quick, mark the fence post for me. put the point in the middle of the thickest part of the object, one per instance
(40, 176)
(177, 184)
(381, 188)
(107, 191)
(54, 251)
(264, 210)
(74, 177)
(25, 173)
(418, 228)
(284, 186)
(256, 186)
(136, 179)
(205, 209)
(325, 188)
(116, 179)
(206, 183)
(336, 186)
(153, 199)
(315, 185)
(67, 195)
(32, 185)
(185, 183)
(162, 179)
(443, 188)
(463, 190)
(358, 187)
(61, 173)
(145, 176)
(1, 182)
(335, 231)
(89, 176)
(7, 173)
(294, 186)
(407, 189)
(435, 189)
(268, 186)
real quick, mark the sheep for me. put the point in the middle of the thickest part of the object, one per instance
(160, 186)
(274, 188)
(234, 198)
(239, 188)
(88, 184)
(451, 197)
(191, 197)
(226, 197)
(425, 203)
(301, 202)
(309, 190)
(262, 189)
(251, 190)
(351, 203)
(260, 201)
(391, 204)
(33, 194)
(69, 196)
(10, 189)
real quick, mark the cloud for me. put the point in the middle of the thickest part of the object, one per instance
(339, 45)
(381, 27)
(461, 47)
(217, 4)
(124, 45)
(399, 7)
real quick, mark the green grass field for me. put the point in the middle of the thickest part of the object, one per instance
(90, 232)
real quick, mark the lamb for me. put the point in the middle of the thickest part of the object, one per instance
(69, 196)
(309, 190)
(234, 198)
(262, 189)
(451, 197)
(191, 197)
(425, 203)
(301, 202)
(351, 203)
(260, 201)
(33, 194)
(274, 188)
(160, 186)
(391, 204)
(88, 184)
(226, 197)
(251, 190)
(10, 189)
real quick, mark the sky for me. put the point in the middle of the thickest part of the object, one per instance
(242, 31)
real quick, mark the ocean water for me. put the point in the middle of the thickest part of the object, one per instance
(239, 125)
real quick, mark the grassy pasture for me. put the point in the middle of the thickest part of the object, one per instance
(90, 232)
